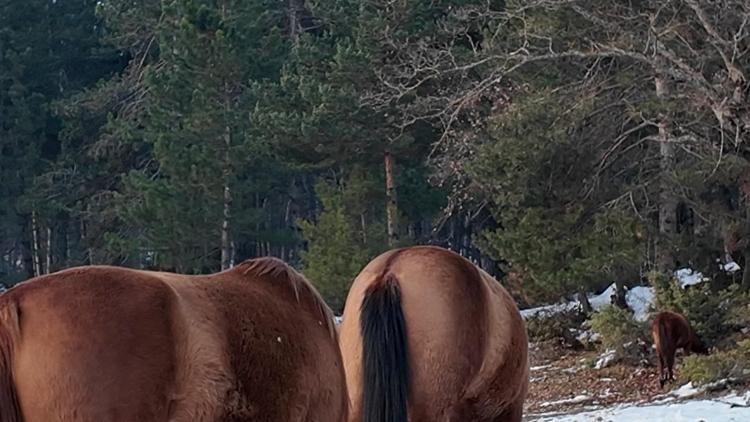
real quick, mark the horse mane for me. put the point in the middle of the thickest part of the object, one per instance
(279, 270)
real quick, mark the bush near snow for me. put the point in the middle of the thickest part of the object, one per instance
(732, 364)
(621, 333)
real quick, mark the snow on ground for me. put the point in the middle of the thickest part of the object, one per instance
(605, 359)
(685, 391)
(730, 267)
(604, 298)
(549, 309)
(575, 400)
(639, 298)
(731, 407)
(688, 277)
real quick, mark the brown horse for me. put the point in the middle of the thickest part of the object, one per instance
(254, 343)
(429, 337)
(670, 332)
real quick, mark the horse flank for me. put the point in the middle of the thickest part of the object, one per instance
(671, 331)
(9, 328)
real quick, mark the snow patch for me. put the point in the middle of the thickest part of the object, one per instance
(688, 277)
(723, 409)
(588, 336)
(575, 400)
(736, 400)
(730, 267)
(604, 298)
(549, 310)
(605, 359)
(639, 299)
(685, 391)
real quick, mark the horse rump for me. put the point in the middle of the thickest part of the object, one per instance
(385, 354)
(9, 409)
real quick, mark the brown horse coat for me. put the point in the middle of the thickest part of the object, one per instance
(671, 331)
(93, 344)
(447, 342)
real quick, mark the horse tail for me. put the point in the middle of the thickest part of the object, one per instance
(9, 327)
(385, 354)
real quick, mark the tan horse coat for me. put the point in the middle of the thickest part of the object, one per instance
(466, 340)
(95, 344)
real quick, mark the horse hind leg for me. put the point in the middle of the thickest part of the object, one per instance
(670, 366)
(662, 379)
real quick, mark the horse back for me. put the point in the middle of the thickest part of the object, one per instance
(281, 345)
(671, 331)
(93, 344)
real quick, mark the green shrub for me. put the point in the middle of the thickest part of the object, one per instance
(620, 332)
(733, 364)
(738, 308)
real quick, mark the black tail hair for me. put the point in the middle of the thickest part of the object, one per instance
(385, 356)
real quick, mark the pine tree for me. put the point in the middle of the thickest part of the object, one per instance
(48, 51)
(344, 238)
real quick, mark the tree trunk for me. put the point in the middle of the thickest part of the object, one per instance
(583, 299)
(619, 298)
(89, 259)
(27, 253)
(48, 268)
(226, 243)
(226, 238)
(665, 260)
(35, 244)
(287, 224)
(66, 258)
(466, 236)
(363, 223)
(392, 205)
(294, 9)
(746, 270)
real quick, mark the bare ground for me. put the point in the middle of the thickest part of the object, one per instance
(565, 381)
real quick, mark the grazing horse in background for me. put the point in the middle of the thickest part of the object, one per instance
(89, 344)
(671, 331)
(429, 337)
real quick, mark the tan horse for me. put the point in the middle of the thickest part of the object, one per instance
(429, 337)
(93, 344)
